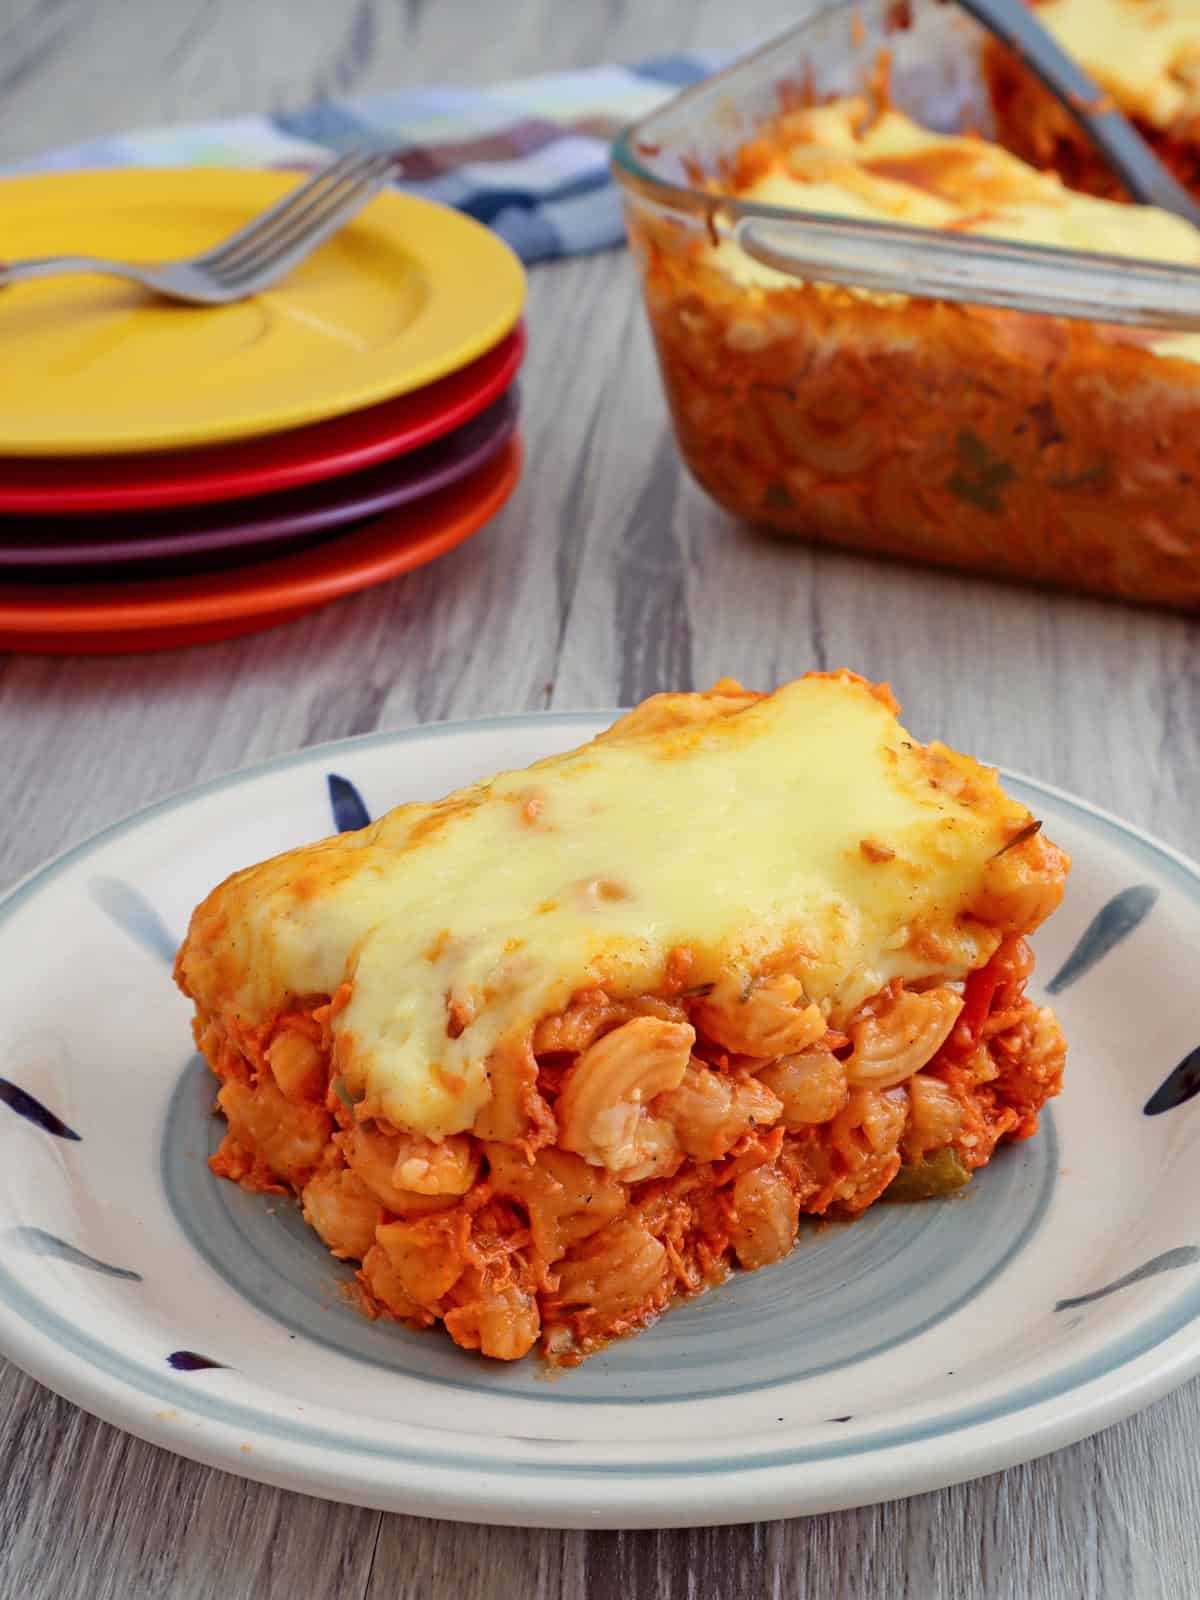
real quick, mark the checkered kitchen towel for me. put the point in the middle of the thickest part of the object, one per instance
(528, 158)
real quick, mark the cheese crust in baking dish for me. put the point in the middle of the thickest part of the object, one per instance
(573, 1041)
(846, 159)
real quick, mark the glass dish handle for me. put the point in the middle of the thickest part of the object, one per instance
(973, 271)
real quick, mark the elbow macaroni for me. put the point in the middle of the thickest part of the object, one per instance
(604, 1112)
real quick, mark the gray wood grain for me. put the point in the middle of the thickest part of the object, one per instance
(608, 576)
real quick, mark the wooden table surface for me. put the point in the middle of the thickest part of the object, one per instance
(607, 577)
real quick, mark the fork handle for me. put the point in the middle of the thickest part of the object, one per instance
(54, 266)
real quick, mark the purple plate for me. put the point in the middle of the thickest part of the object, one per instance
(236, 531)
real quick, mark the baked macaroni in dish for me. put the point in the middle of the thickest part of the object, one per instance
(1052, 449)
(549, 1053)
(1145, 54)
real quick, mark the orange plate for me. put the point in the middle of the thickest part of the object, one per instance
(111, 618)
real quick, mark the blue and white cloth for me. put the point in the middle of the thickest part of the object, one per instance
(528, 158)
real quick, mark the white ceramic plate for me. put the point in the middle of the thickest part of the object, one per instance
(915, 1347)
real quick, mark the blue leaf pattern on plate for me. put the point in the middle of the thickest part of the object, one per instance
(1114, 922)
(349, 812)
(1184, 1255)
(1177, 1087)
(133, 913)
(190, 1361)
(24, 1104)
(40, 1243)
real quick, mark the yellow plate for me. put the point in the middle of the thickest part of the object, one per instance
(408, 292)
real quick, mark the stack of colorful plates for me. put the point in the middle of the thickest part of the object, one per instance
(171, 475)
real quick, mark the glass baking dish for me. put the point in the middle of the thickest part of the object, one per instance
(1013, 409)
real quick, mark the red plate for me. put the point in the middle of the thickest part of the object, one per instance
(164, 613)
(74, 484)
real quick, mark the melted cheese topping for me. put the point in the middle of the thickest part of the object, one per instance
(1146, 53)
(735, 828)
(890, 169)
(895, 170)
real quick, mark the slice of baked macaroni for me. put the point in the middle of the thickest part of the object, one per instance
(571, 1042)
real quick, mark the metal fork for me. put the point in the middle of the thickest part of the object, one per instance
(251, 259)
